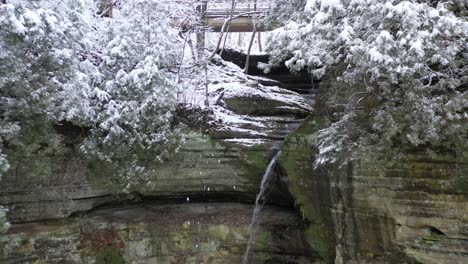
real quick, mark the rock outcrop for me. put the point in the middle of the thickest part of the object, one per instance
(224, 162)
(188, 212)
(199, 204)
(411, 212)
(148, 233)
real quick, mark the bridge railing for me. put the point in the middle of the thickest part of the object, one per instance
(219, 12)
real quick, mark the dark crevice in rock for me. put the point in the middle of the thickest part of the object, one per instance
(435, 231)
(152, 201)
(92, 198)
(277, 195)
(301, 82)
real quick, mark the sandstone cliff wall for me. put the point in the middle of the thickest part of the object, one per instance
(412, 212)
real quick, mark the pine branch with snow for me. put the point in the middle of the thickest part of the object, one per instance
(60, 63)
(410, 57)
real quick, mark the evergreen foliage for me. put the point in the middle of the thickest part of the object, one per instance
(135, 96)
(60, 63)
(40, 74)
(411, 59)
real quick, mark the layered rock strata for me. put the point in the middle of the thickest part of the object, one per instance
(183, 233)
(67, 210)
(412, 212)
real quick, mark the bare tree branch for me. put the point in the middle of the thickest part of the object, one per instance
(223, 29)
(233, 7)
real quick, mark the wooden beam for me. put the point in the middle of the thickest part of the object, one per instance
(241, 24)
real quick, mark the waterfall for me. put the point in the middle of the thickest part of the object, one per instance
(259, 205)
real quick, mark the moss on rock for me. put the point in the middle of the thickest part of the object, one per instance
(109, 255)
(306, 185)
(263, 245)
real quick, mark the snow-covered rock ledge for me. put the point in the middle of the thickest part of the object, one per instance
(243, 112)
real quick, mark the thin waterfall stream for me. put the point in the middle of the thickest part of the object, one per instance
(259, 205)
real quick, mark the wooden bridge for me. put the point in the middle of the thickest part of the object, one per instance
(242, 23)
(215, 12)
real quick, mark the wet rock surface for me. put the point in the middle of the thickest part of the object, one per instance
(147, 233)
(411, 212)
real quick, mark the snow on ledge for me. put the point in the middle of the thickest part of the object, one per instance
(248, 142)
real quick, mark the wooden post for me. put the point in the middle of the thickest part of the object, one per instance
(247, 59)
(201, 34)
(259, 35)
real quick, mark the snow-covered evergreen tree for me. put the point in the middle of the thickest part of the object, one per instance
(113, 77)
(40, 72)
(410, 57)
(281, 11)
(135, 94)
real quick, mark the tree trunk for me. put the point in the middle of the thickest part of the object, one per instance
(259, 39)
(223, 29)
(233, 7)
(207, 101)
(247, 60)
(259, 42)
(192, 50)
(254, 24)
(240, 39)
(201, 34)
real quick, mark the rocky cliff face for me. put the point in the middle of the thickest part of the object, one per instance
(247, 122)
(418, 208)
(414, 212)
(411, 212)
(148, 233)
(198, 206)
(68, 211)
